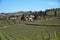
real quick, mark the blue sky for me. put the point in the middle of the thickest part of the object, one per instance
(27, 5)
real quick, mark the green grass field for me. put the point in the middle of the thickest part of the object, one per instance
(37, 30)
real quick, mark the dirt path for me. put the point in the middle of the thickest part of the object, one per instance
(4, 27)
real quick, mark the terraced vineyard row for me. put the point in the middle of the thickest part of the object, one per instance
(32, 33)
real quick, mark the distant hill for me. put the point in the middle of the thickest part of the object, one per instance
(48, 11)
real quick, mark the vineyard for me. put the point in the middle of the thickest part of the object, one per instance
(38, 30)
